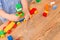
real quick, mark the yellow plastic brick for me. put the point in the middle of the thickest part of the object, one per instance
(36, 12)
(9, 27)
(2, 36)
(46, 11)
(24, 20)
(18, 23)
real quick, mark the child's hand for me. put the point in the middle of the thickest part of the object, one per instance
(25, 8)
(13, 17)
(10, 17)
(27, 15)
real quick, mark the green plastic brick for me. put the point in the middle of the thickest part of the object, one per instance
(17, 15)
(18, 6)
(2, 32)
(38, 1)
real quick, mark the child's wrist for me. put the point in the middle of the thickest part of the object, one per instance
(7, 16)
(25, 10)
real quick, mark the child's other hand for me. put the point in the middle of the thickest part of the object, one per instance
(27, 15)
(13, 17)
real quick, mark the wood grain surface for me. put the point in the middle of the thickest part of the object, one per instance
(39, 27)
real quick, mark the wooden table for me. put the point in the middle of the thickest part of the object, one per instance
(39, 27)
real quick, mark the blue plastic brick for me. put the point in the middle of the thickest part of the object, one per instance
(54, 7)
(10, 37)
(22, 19)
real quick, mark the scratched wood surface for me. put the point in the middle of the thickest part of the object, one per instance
(39, 27)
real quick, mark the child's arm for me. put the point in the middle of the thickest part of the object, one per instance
(4, 24)
(25, 5)
(10, 17)
(25, 8)
(3, 14)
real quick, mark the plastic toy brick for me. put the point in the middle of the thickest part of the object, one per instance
(22, 19)
(18, 23)
(52, 3)
(47, 7)
(9, 27)
(32, 11)
(2, 33)
(15, 25)
(21, 15)
(54, 7)
(36, 12)
(10, 37)
(46, 11)
(9, 31)
(38, 1)
(18, 7)
(30, 8)
(17, 14)
(44, 14)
